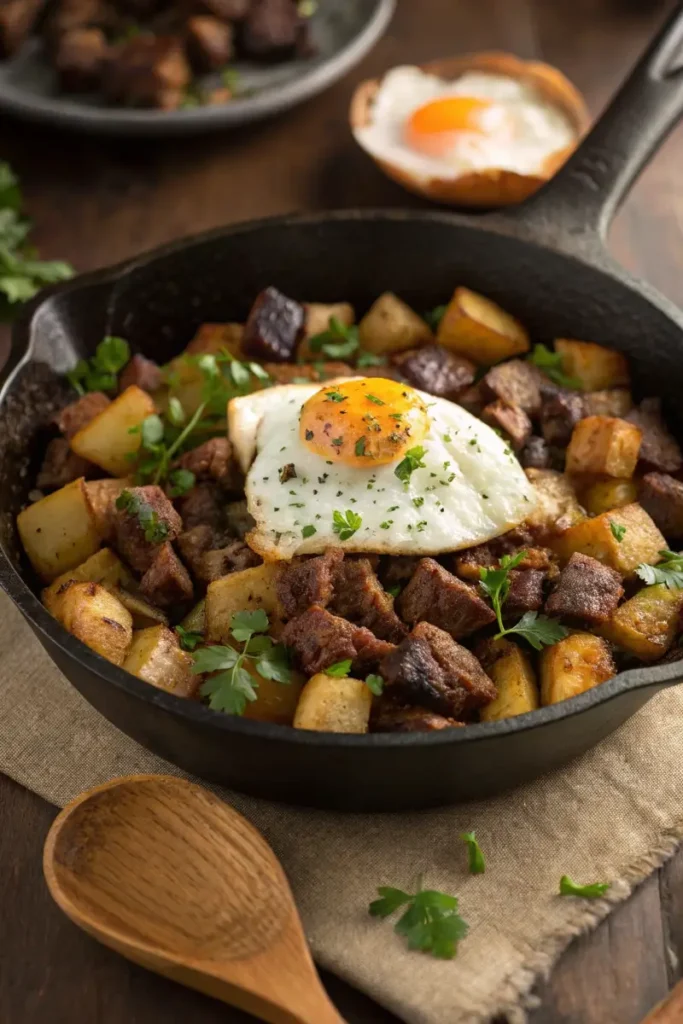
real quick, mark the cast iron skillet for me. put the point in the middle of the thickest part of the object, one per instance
(546, 263)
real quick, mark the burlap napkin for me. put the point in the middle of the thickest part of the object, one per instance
(613, 815)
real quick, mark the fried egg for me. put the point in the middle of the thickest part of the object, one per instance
(434, 128)
(368, 464)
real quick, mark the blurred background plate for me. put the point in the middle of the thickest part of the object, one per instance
(343, 31)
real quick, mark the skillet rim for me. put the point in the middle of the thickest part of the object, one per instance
(14, 585)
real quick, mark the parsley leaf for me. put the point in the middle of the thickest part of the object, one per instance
(430, 923)
(308, 531)
(618, 531)
(244, 624)
(668, 572)
(593, 891)
(189, 638)
(375, 400)
(345, 525)
(180, 482)
(551, 364)
(435, 316)
(273, 663)
(375, 684)
(538, 630)
(155, 530)
(339, 669)
(100, 372)
(476, 862)
(411, 462)
(339, 341)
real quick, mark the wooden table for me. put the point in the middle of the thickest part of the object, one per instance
(95, 202)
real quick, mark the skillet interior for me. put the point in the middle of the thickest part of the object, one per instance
(156, 303)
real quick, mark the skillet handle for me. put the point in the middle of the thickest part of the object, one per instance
(574, 210)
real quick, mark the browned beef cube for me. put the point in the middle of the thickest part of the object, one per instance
(78, 414)
(273, 328)
(225, 10)
(526, 592)
(147, 71)
(616, 402)
(166, 582)
(209, 42)
(360, 598)
(511, 420)
(434, 595)
(535, 454)
(559, 416)
(586, 590)
(142, 372)
(659, 450)
(430, 670)
(130, 533)
(218, 562)
(79, 58)
(61, 466)
(319, 639)
(272, 30)
(193, 543)
(661, 496)
(203, 505)
(68, 15)
(286, 373)
(17, 18)
(515, 382)
(213, 460)
(436, 370)
(390, 717)
(308, 581)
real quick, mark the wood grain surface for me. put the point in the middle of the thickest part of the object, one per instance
(95, 202)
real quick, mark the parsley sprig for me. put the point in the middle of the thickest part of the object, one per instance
(551, 364)
(21, 273)
(593, 891)
(430, 921)
(409, 463)
(668, 572)
(345, 524)
(538, 630)
(189, 638)
(100, 373)
(233, 686)
(155, 530)
(341, 341)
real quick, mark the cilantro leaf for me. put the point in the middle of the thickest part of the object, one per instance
(430, 923)
(339, 341)
(551, 364)
(243, 625)
(476, 862)
(189, 638)
(375, 684)
(668, 572)
(339, 669)
(411, 462)
(593, 891)
(346, 524)
(538, 630)
(618, 531)
(434, 316)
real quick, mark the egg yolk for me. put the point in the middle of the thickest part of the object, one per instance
(432, 127)
(364, 422)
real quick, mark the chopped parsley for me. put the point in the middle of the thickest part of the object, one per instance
(593, 891)
(360, 446)
(476, 862)
(375, 684)
(551, 364)
(339, 341)
(346, 524)
(418, 502)
(618, 531)
(375, 400)
(100, 372)
(339, 669)
(308, 531)
(335, 396)
(189, 638)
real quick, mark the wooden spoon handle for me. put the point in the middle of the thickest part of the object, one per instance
(670, 1010)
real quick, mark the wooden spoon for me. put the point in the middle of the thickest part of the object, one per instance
(167, 874)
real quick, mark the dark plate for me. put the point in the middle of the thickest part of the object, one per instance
(343, 32)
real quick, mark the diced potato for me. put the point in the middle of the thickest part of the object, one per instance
(604, 445)
(318, 316)
(144, 614)
(107, 439)
(98, 619)
(329, 704)
(641, 540)
(575, 664)
(59, 531)
(212, 338)
(155, 656)
(275, 702)
(186, 379)
(101, 495)
(195, 620)
(602, 495)
(646, 625)
(392, 326)
(511, 670)
(613, 402)
(595, 367)
(556, 503)
(103, 567)
(247, 590)
(477, 328)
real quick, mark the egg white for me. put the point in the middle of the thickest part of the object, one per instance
(524, 128)
(471, 489)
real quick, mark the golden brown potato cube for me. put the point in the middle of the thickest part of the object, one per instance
(186, 379)
(103, 567)
(599, 496)
(646, 625)
(144, 614)
(477, 328)
(330, 704)
(106, 440)
(573, 665)
(212, 338)
(556, 503)
(275, 702)
(613, 402)
(155, 656)
(247, 590)
(510, 669)
(318, 316)
(98, 619)
(392, 326)
(594, 367)
(641, 541)
(102, 494)
(604, 445)
(59, 531)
